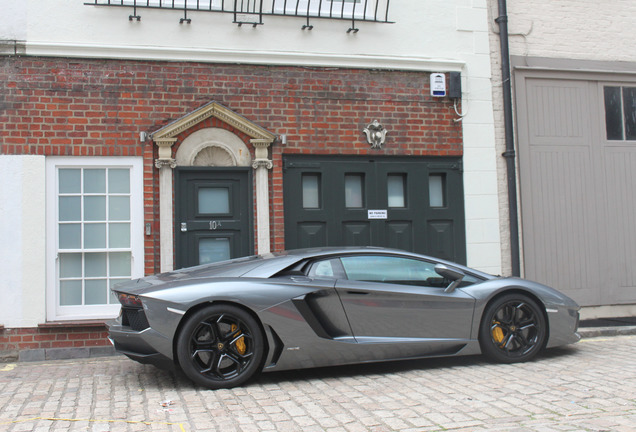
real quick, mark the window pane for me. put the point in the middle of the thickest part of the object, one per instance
(70, 181)
(629, 106)
(354, 191)
(94, 181)
(118, 181)
(437, 190)
(213, 250)
(70, 293)
(95, 292)
(384, 269)
(71, 265)
(70, 236)
(70, 208)
(395, 186)
(311, 190)
(119, 235)
(95, 208)
(613, 113)
(214, 200)
(95, 265)
(95, 236)
(119, 208)
(120, 263)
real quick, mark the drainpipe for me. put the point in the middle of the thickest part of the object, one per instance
(509, 154)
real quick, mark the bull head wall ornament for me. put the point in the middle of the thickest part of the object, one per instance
(376, 134)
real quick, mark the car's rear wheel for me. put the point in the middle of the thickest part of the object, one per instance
(220, 346)
(513, 329)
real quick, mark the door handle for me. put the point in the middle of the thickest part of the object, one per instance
(358, 292)
(184, 227)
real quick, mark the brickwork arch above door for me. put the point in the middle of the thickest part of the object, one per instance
(213, 147)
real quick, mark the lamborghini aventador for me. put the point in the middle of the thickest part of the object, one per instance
(223, 323)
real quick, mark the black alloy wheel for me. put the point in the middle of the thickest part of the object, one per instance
(220, 346)
(513, 329)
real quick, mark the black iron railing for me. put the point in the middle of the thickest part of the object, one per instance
(252, 11)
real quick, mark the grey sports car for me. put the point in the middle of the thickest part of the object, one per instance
(223, 323)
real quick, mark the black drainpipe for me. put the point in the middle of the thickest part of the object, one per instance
(509, 154)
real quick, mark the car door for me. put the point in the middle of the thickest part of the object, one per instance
(387, 298)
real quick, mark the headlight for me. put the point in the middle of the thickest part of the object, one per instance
(129, 300)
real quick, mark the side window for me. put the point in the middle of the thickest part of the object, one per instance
(391, 269)
(330, 268)
(397, 270)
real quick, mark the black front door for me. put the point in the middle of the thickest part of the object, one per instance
(415, 204)
(213, 215)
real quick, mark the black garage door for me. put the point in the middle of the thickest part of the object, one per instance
(414, 204)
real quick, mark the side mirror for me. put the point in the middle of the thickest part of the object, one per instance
(452, 274)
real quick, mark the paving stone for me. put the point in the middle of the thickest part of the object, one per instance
(590, 386)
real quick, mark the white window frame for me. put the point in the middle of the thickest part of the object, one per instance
(55, 312)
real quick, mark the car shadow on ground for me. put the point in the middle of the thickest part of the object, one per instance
(177, 379)
(390, 367)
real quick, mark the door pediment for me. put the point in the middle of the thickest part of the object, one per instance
(167, 135)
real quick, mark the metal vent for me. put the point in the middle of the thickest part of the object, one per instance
(134, 318)
(251, 12)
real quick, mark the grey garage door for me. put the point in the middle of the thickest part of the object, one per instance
(578, 188)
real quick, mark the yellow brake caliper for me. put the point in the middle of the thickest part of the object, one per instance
(497, 333)
(240, 343)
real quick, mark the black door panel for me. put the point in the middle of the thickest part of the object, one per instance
(212, 215)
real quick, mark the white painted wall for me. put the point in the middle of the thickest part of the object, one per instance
(22, 248)
(421, 30)
(13, 20)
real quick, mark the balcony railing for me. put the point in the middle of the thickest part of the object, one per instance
(252, 12)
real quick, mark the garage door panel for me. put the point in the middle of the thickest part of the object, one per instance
(356, 233)
(620, 172)
(559, 187)
(550, 104)
(312, 234)
(399, 235)
(560, 224)
(441, 234)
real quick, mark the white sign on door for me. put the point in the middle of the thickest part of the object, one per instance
(378, 214)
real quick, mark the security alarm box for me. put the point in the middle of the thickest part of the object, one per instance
(438, 85)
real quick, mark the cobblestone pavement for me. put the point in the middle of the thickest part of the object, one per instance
(590, 386)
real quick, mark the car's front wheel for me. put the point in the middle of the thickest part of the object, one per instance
(220, 346)
(513, 329)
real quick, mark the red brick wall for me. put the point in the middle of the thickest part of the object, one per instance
(52, 106)
(53, 337)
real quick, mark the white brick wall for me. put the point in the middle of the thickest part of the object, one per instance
(573, 29)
